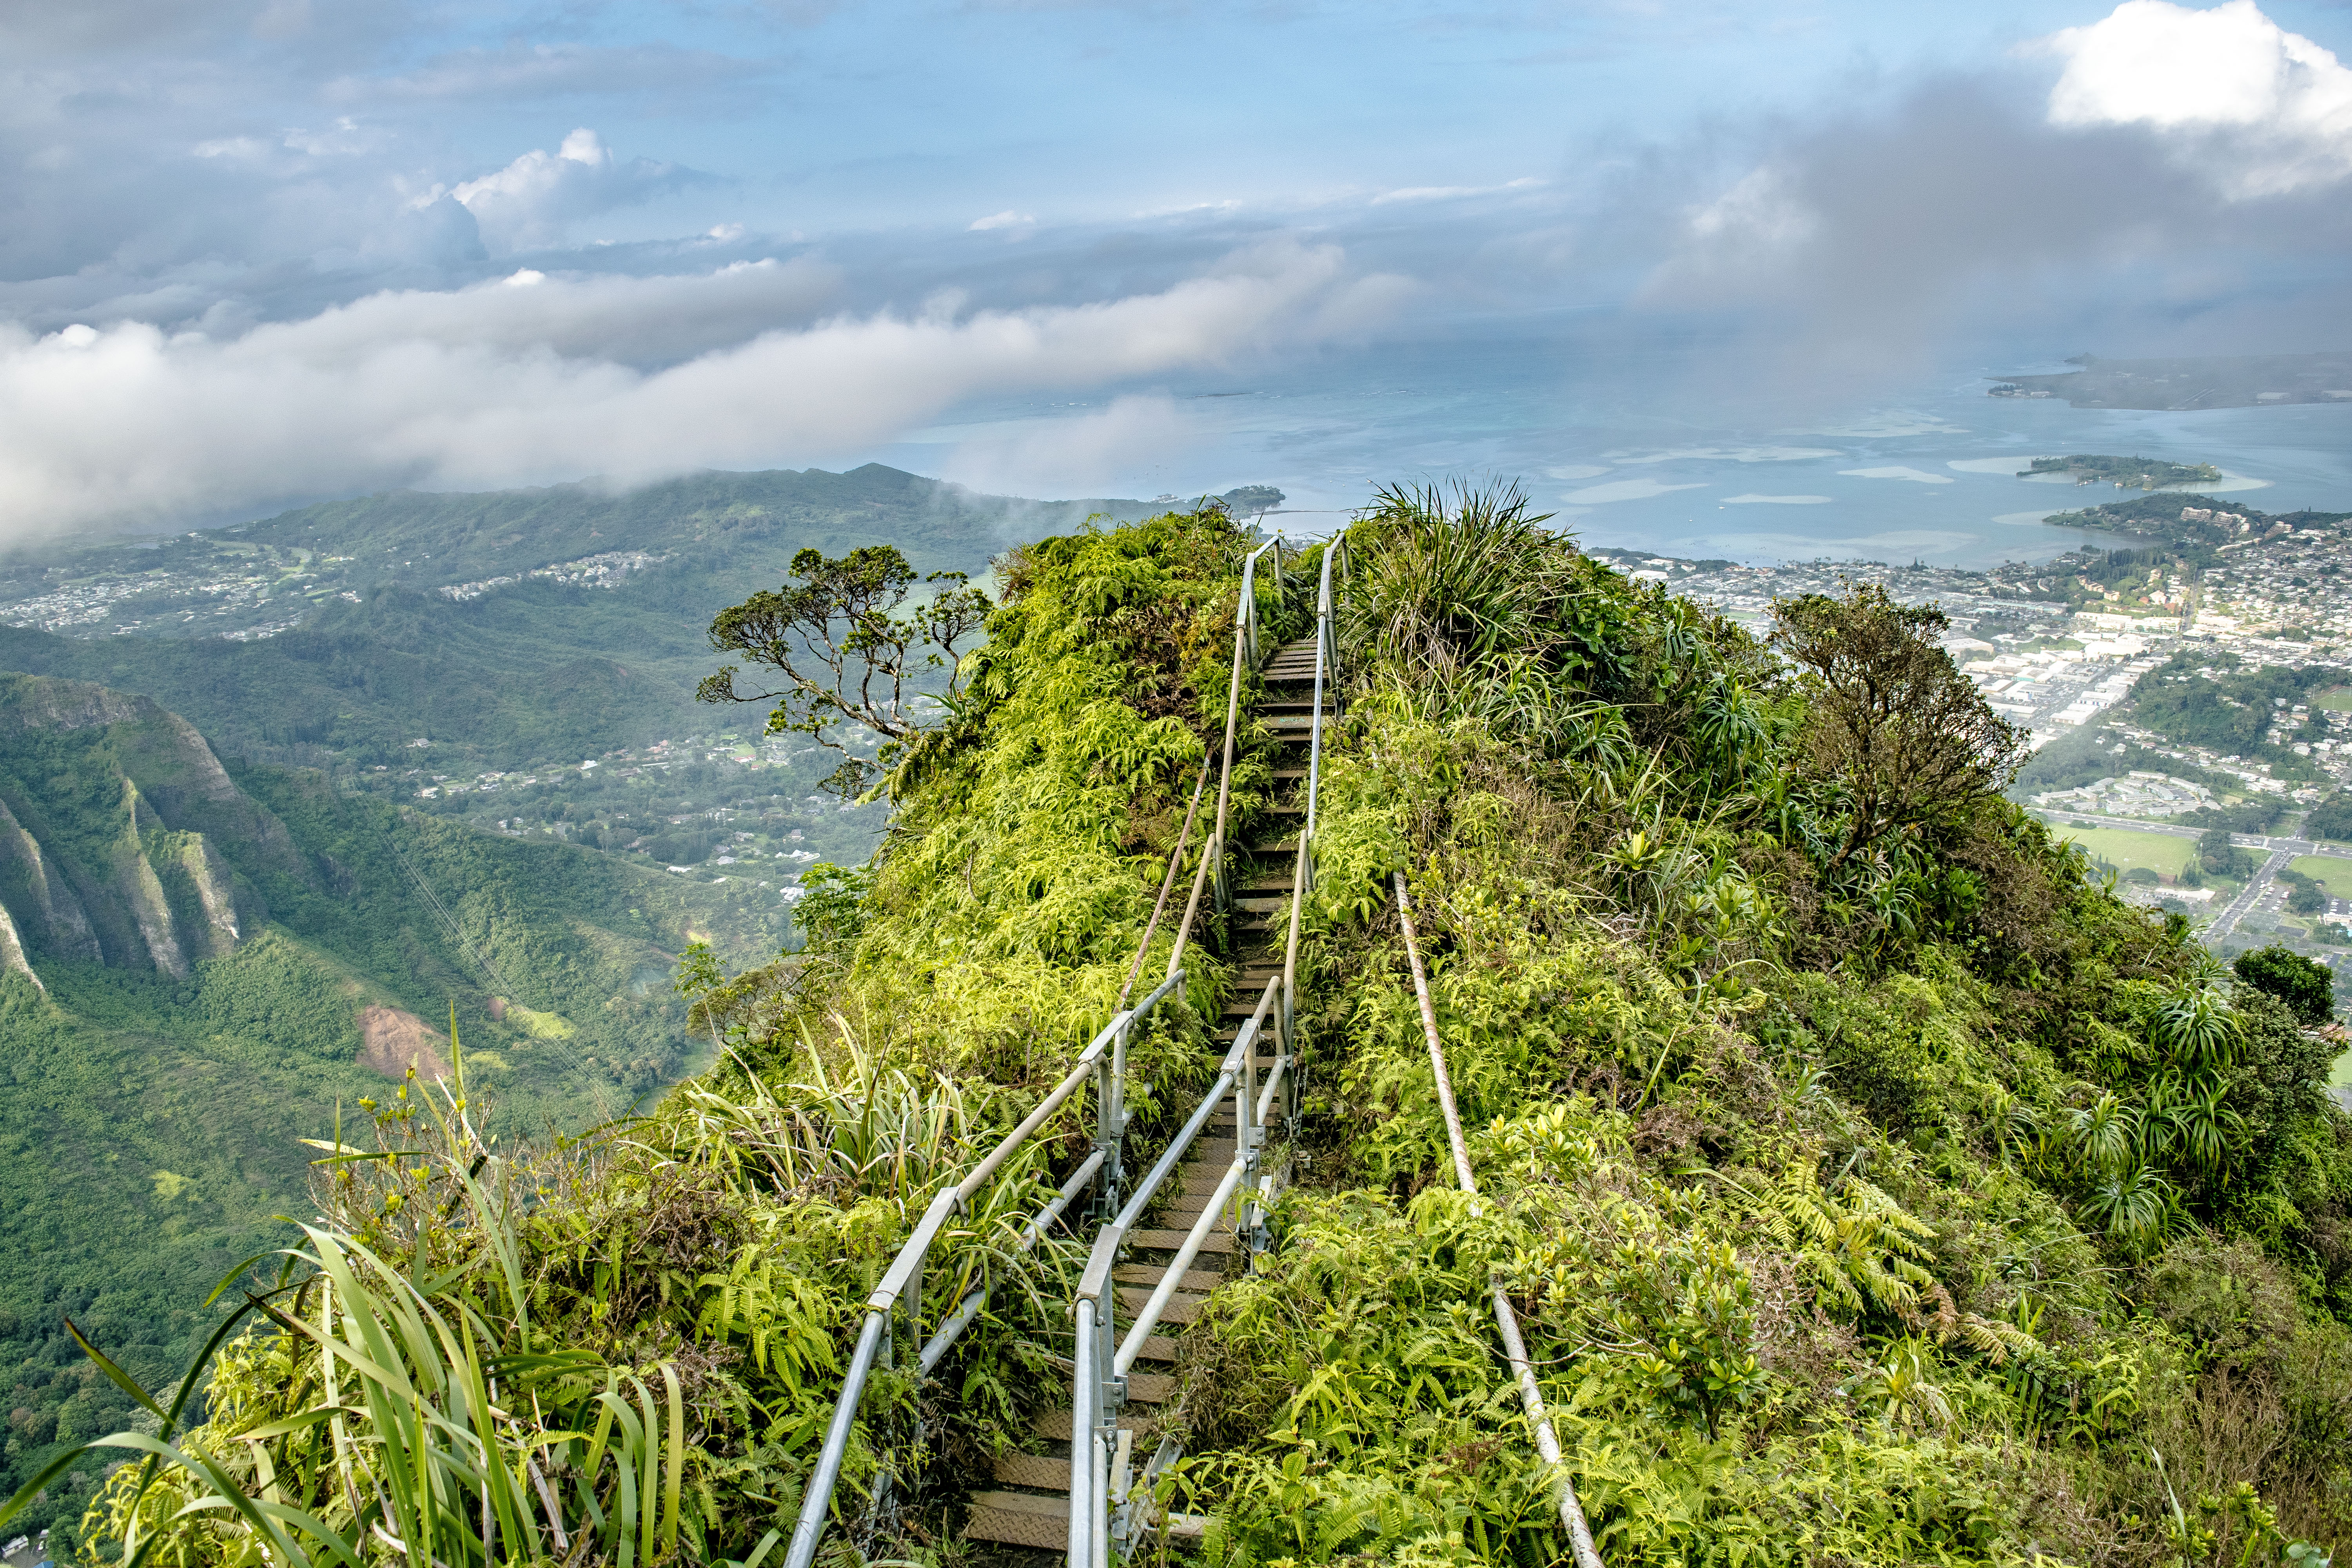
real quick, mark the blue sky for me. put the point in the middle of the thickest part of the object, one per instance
(258, 251)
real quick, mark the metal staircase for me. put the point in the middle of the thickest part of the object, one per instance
(1076, 1493)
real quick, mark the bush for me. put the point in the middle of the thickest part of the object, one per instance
(2308, 987)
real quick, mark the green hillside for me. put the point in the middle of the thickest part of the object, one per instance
(199, 964)
(530, 671)
(1873, 1186)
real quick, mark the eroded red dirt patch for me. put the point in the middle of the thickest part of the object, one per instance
(393, 1040)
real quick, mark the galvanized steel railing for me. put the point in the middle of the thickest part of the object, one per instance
(899, 1295)
(1507, 1318)
(900, 1291)
(1101, 1516)
(1106, 1498)
(1247, 657)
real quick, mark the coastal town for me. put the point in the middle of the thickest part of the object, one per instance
(2187, 695)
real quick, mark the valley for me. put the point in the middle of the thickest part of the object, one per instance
(283, 804)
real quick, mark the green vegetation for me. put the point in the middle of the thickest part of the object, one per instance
(2129, 473)
(2328, 872)
(2121, 851)
(2331, 818)
(1874, 1185)
(147, 1132)
(2306, 989)
(2203, 698)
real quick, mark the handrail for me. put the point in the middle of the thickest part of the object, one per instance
(1101, 1361)
(1245, 658)
(902, 1281)
(1100, 1511)
(1327, 651)
(1507, 1318)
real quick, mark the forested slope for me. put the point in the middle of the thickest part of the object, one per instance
(202, 964)
(1873, 1185)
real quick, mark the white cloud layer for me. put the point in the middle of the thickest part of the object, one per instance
(2266, 111)
(534, 200)
(495, 385)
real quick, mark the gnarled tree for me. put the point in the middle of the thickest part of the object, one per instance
(1891, 721)
(849, 650)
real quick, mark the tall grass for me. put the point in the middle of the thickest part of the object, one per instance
(414, 1414)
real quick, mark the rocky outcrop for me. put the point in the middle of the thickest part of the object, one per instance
(12, 951)
(218, 934)
(39, 896)
(122, 839)
(142, 891)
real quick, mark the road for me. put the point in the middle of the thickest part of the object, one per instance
(2260, 888)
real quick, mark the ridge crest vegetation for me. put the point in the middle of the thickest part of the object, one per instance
(1873, 1183)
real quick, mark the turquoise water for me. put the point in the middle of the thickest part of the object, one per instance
(1659, 444)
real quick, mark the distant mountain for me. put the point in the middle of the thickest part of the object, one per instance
(410, 615)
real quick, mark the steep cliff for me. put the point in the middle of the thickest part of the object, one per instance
(113, 814)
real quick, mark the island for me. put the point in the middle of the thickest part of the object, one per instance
(2125, 473)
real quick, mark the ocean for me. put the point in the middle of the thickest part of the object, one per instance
(1658, 442)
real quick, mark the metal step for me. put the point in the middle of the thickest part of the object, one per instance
(1019, 1518)
(1149, 1275)
(1169, 1240)
(1044, 1472)
(1181, 1308)
(1055, 1425)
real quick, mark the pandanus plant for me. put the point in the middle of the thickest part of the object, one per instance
(2196, 1029)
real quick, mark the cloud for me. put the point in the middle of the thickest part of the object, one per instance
(639, 322)
(2264, 111)
(1775, 500)
(1091, 454)
(100, 428)
(2159, 180)
(1005, 219)
(533, 201)
(521, 71)
(1452, 193)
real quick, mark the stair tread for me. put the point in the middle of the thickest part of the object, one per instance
(1043, 1471)
(1149, 1275)
(1181, 1308)
(1055, 1424)
(1016, 1527)
(1169, 1240)
(1027, 1502)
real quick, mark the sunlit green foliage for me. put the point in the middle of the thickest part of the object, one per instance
(1878, 1198)
(730, 1235)
(1844, 1182)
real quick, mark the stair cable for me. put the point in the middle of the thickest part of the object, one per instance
(1507, 1319)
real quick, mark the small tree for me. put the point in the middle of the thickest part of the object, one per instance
(2309, 988)
(847, 653)
(2303, 895)
(1890, 718)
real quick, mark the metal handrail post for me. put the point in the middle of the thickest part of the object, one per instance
(1082, 1425)
(1097, 1381)
(901, 1284)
